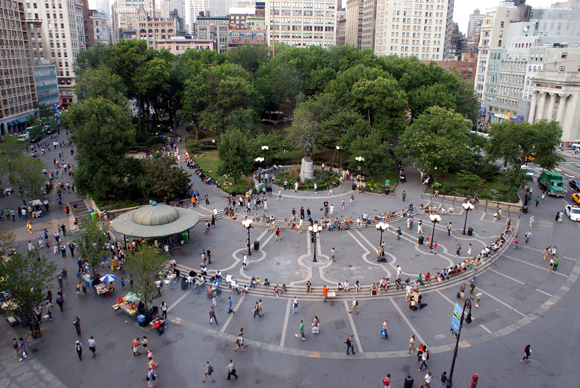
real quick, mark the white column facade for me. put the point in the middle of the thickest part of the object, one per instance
(550, 114)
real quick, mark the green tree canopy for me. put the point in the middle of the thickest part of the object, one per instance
(164, 178)
(89, 240)
(27, 173)
(146, 266)
(439, 139)
(236, 152)
(378, 159)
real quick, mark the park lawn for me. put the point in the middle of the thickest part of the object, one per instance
(452, 186)
(210, 162)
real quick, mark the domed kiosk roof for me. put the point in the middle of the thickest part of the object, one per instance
(155, 221)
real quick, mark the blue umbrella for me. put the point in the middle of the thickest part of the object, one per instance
(108, 278)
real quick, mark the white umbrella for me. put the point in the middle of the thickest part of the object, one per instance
(108, 278)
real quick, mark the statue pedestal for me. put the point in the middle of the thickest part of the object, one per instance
(307, 170)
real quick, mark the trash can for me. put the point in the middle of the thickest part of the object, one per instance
(93, 216)
(470, 231)
(524, 209)
(185, 237)
(256, 245)
(420, 240)
(141, 318)
(408, 381)
(387, 190)
(354, 186)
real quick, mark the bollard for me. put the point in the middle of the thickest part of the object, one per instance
(408, 381)
(474, 380)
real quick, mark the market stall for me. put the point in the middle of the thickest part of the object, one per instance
(158, 324)
(129, 304)
(105, 288)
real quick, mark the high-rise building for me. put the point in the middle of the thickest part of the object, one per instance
(100, 27)
(215, 29)
(448, 54)
(194, 8)
(571, 4)
(474, 25)
(169, 5)
(302, 24)
(369, 24)
(59, 34)
(354, 22)
(516, 42)
(412, 28)
(341, 32)
(17, 89)
(153, 30)
(124, 15)
(46, 82)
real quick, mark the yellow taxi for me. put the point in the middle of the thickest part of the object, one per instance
(576, 197)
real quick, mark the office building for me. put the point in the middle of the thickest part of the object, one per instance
(413, 28)
(17, 89)
(193, 9)
(46, 83)
(99, 26)
(214, 28)
(341, 32)
(369, 24)
(302, 24)
(154, 30)
(124, 16)
(474, 25)
(179, 44)
(354, 23)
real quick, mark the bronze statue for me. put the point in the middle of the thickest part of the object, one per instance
(308, 149)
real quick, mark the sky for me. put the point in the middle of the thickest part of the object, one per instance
(464, 8)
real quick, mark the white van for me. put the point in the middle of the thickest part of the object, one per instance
(528, 172)
(24, 137)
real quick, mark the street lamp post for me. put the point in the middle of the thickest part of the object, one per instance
(248, 225)
(467, 206)
(382, 226)
(359, 159)
(265, 149)
(467, 304)
(435, 218)
(338, 148)
(314, 230)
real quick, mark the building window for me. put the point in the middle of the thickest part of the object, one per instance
(562, 68)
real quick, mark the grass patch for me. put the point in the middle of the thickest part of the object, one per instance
(492, 190)
(210, 162)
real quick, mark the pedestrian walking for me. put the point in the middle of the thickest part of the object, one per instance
(349, 344)
(516, 241)
(411, 343)
(134, 347)
(49, 307)
(469, 250)
(22, 347)
(398, 271)
(15, 346)
(424, 358)
(230, 367)
(150, 377)
(208, 369)
(332, 254)
(79, 349)
(230, 306)
(478, 297)
(295, 305)
(164, 310)
(384, 332)
(427, 380)
(77, 325)
(60, 302)
(449, 225)
(420, 227)
(403, 195)
(556, 263)
(458, 250)
(551, 264)
(528, 235)
(531, 222)
(277, 234)
(387, 381)
(92, 345)
(527, 353)
(256, 311)
(434, 251)
(443, 379)
(301, 331)
(240, 343)
(212, 316)
(353, 306)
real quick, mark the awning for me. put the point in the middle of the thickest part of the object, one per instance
(10, 123)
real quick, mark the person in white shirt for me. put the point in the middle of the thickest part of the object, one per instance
(427, 380)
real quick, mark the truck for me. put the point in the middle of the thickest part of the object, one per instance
(552, 183)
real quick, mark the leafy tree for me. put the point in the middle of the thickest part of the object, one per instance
(469, 179)
(250, 56)
(90, 239)
(383, 102)
(164, 178)
(192, 145)
(103, 133)
(467, 103)
(146, 266)
(516, 142)
(236, 152)
(93, 58)
(378, 159)
(101, 82)
(26, 277)
(28, 173)
(439, 140)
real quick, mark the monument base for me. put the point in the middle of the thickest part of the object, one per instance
(307, 170)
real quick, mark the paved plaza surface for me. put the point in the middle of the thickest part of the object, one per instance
(521, 304)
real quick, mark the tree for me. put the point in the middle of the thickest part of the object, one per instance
(515, 143)
(439, 140)
(163, 178)
(378, 159)
(192, 145)
(250, 56)
(89, 240)
(26, 277)
(28, 173)
(103, 134)
(146, 266)
(236, 153)
(101, 82)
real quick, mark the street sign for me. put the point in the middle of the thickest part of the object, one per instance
(457, 311)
